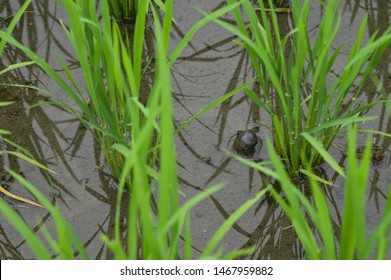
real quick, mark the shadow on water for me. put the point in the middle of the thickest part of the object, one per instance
(379, 18)
(53, 138)
(274, 235)
(203, 161)
(83, 187)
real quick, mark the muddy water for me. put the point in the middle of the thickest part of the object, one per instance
(209, 67)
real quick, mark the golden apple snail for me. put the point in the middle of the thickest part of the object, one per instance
(247, 144)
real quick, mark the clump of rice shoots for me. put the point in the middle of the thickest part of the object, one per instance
(124, 9)
(128, 9)
(281, 3)
(293, 72)
(108, 103)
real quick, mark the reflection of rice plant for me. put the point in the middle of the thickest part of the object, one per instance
(294, 73)
(10, 26)
(354, 242)
(108, 101)
(132, 135)
(23, 154)
(312, 220)
(111, 78)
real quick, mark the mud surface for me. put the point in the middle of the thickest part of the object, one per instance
(208, 68)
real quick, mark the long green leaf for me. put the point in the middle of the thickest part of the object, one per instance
(232, 219)
(326, 156)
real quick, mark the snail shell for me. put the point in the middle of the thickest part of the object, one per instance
(247, 144)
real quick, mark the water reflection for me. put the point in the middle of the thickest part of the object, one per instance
(52, 137)
(228, 67)
(379, 19)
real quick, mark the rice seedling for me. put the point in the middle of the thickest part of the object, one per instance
(108, 102)
(354, 242)
(11, 25)
(293, 72)
(312, 219)
(21, 152)
(112, 77)
(122, 9)
(68, 245)
(280, 3)
(161, 237)
(132, 135)
(128, 9)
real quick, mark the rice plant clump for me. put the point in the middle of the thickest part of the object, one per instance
(294, 73)
(128, 9)
(123, 9)
(280, 3)
(131, 133)
(312, 218)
